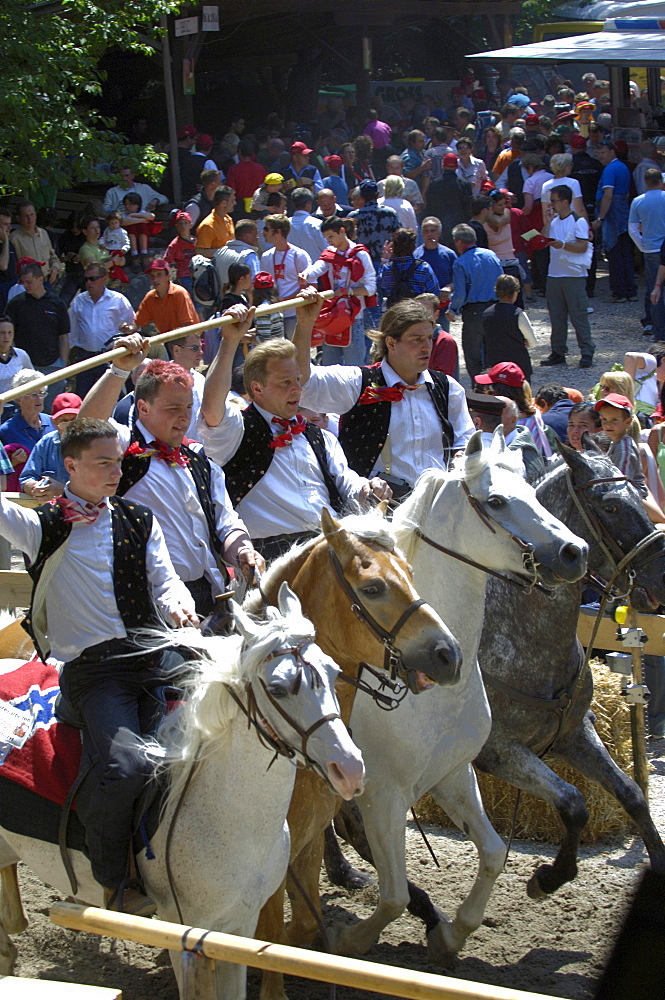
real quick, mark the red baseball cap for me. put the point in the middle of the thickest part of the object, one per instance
(182, 216)
(187, 132)
(158, 264)
(578, 141)
(334, 160)
(66, 403)
(531, 120)
(506, 372)
(264, 280)
(450, 161)
(204, 141)
(617, 400)
(24, 261)
(300, 147)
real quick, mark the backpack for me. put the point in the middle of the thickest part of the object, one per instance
(402, 289)
(205, 281)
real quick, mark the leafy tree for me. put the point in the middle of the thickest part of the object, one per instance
(50, 77)
(531, 13)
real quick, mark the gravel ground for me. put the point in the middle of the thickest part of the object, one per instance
(615, 329)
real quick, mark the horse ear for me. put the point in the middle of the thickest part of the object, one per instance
(474, 444)
(287, 601)
(382, 507)
(248, 629)
(336, 536)
(575, 459)
(498, 440)
(590, 444)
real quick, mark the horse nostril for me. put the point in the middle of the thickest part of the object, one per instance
(570, 553)
(448, 656)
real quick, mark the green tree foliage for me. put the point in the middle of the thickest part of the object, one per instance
(49, 130)
(534, 12)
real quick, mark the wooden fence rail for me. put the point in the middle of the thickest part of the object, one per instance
(350, 972)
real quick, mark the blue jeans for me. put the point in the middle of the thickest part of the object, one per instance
(354, 354)
(656, 313)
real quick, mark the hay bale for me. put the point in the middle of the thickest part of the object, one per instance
(536, 819)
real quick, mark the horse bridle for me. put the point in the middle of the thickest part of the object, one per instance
(393, 658)
(266, 734)
(530, 580)
(614, 554)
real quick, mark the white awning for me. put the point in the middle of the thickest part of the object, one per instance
(603, 9)
(614, 46)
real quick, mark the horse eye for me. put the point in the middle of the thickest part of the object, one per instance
(372, 589)
(496, 502)
(277, 689)
(611, 508)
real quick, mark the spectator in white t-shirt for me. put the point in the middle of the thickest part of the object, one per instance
(561, 165)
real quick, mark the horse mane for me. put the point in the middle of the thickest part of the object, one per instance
(193, 730)
(370, 527)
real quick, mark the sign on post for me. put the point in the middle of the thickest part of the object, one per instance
(186, 26)
(210, 19)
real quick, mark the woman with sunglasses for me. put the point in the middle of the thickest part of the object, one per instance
(21, 432)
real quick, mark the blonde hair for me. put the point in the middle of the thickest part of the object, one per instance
(561, 164)
(393, 186)
(256, 365)
(623, 384)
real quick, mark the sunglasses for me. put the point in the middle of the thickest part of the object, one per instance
(95, 277)
(193, 347)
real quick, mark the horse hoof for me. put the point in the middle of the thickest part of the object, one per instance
(8, 956)
(342, 941)
(441, 944)
(534, 890)
(351, 878)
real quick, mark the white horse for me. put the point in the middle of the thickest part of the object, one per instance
(485, 513)
(225, 813)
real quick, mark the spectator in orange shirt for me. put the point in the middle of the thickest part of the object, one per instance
(168, 305)
(216, 231)
(514, 151)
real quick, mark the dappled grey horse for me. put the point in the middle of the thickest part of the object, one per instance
(532, 665)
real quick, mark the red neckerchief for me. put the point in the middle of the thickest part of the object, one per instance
(73, 511)
(291, 427)
(157, 449)
(385, 393)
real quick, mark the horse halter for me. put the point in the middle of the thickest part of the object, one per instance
(393, 658)
(266, 734)
(527, 583)
(614, 554)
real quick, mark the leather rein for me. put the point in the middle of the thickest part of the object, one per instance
(266, 734)
(527, 584)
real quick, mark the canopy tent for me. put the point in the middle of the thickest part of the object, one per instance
(605, 9)
(622, 42)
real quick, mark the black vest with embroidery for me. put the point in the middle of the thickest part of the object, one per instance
(252, 459)
(134, 468)
(131, 525)
(364, 428)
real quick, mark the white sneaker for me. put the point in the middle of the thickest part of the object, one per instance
(590, 309)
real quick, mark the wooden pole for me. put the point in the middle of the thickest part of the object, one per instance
(641, 771)
(159, 338)
(351, 972)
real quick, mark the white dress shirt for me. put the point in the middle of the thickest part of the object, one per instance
(292, 494)
(306, 233)
(81, 609)
(113, 197)
(415, 428)
(170, 492)
(94, 323)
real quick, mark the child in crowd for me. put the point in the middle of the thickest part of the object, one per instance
(140, 226)
(180, 251)
(444, 356)
(266, 327)
(116, 240)
(507, 329)
(272, 183)
(616, 415)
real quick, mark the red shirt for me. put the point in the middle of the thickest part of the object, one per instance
(444, 354)
(519, 224)
(179, 252)
(245, 177)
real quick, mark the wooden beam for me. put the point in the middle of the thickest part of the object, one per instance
(653, 626)
(15, 589)
(373, 976)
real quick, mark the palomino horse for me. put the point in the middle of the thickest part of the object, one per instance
(487, 516)
(455, 528)
(215, 864)
(357, 591)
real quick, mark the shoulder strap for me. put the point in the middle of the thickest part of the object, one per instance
(317, 443)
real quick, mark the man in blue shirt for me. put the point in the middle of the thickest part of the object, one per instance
(405, 269)
(612, 215)
(646, 226)
(439, 257)
(415, 162)
(475, 273)
(44, 474)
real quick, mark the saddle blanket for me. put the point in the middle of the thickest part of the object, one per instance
(49, 761)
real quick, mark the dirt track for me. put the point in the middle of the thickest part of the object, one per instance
(556, 946)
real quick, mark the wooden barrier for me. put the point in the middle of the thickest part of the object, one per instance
(653, 626)
(350, 972)
(12, 987)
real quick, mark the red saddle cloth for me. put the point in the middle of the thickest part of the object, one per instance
(49, 761)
